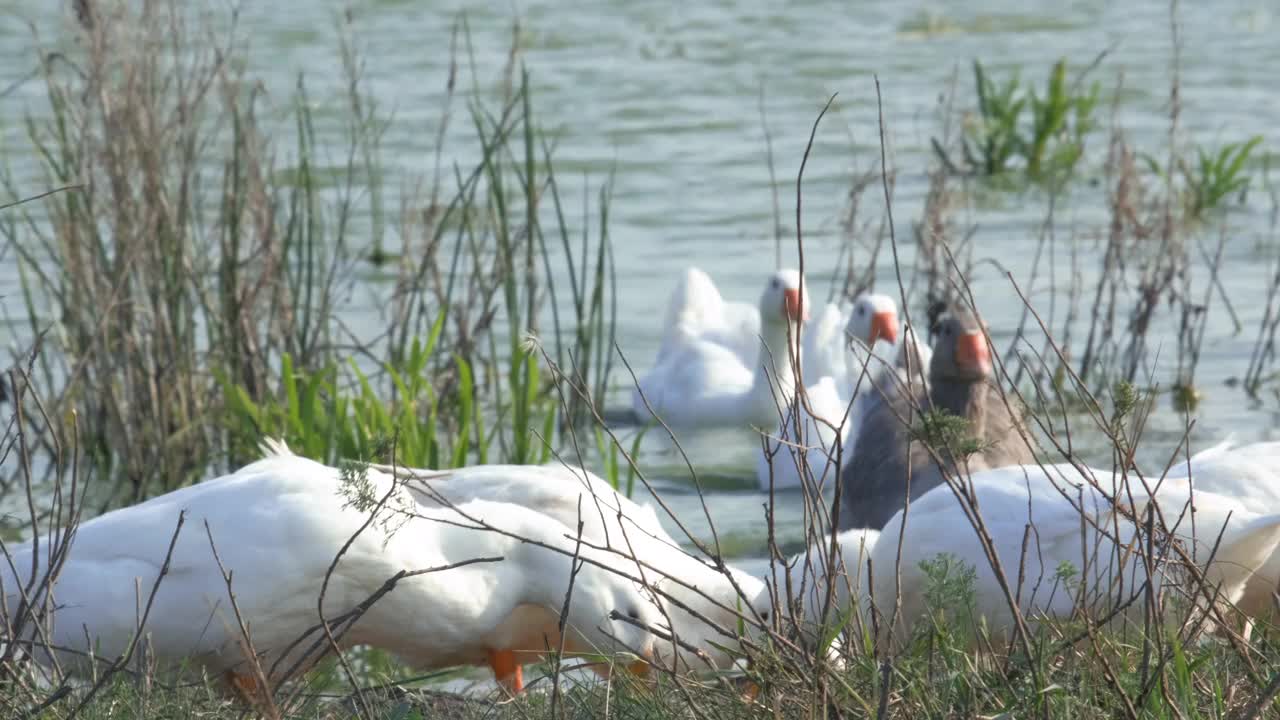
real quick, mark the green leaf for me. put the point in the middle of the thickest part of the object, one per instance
(466, 410)
(241, 403)
(289, 382)
(635, 453)
(1242, 154)
(548, 430)
(837, 628)
(404, 711)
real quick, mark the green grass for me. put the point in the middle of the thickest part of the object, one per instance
(335, 413)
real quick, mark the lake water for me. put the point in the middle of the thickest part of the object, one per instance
(667, 96)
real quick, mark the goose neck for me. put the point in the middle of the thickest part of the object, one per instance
(965, 398)
(775, 371)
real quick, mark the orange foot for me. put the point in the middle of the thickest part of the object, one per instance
(508, 672)
(243, 685)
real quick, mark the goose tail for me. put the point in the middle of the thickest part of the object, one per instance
(273, 447)
(1246, 548)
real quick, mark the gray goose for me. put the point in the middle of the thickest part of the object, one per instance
(874, 482)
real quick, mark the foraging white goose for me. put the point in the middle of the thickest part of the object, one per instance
(702, 383)
(812, 574)
(1251, 475)
(960, 383)
(697, 311)
(572, 495)
(873, 318)
(1250, 472)
(1011, 498)
(277, 525)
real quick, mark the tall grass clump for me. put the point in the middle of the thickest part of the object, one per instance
(186, 294)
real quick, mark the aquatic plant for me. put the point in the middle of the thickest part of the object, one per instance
(1047, 146)
(1213, 178)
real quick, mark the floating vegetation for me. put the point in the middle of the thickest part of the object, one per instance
(1046, 146)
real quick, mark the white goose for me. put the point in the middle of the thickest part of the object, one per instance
(813, 443)
(567, 494)
(872, 323)
(873, 319)
(701, 383)
(1248, 472)
(696, 310)
(571, 495)
(277, 525)
(1010, 498)
(824, 343)
(811, 574)
(911, 356)
(1251, 475)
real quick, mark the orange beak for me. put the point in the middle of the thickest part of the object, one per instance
(972, 353)
(639, 668)
(884, 326)
(794, 307)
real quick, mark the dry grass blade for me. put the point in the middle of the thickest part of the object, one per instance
(265, 701)
(39, 196)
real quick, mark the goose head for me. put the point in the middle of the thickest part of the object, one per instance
(610, 613)
(785, 299)
(784, 307)
(873, 317)
(960, 348)
(715, 597)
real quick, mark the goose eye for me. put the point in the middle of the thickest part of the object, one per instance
(633, 613)
(862, 310)
(774, 283)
